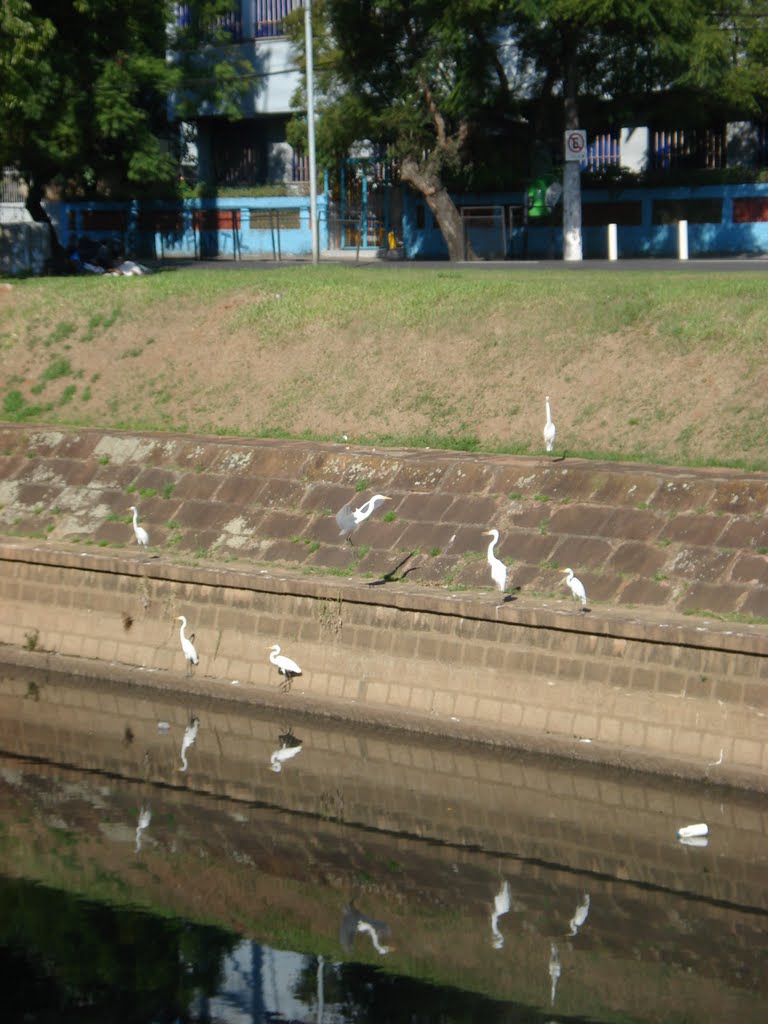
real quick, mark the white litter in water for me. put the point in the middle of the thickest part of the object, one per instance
(692, 831)
(694, 841)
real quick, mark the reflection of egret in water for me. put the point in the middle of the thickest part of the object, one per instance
(289, 747)
(580, 914)
(554, 969)
(353, 923)
(320, 988)
(190, 735)
(501, 905)
(145, 816)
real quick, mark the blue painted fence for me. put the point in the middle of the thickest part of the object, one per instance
(723, 220)
(273, 227)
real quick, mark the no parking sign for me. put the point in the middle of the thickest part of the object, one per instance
(575, 144)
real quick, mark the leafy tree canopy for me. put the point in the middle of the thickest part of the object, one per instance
(85, 88)
(418, 76)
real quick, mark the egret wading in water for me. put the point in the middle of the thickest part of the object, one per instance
(349, 518)
(286, 666)
(142, 537)
(189, 737)
(576, 587)
(187, 646)
(549, 429)
(498, 569)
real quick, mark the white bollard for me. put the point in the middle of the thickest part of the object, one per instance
(613, 244)
(682, 239)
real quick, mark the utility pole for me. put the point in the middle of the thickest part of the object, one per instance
(311, 131)
(575, 147)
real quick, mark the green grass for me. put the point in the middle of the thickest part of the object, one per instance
(456, 358)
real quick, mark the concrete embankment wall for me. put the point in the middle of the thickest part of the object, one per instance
(633, 684)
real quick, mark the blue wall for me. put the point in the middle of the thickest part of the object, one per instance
(720, 237)
(188, 227)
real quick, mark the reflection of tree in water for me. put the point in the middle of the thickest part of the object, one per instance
(367, 995)
(83, 961)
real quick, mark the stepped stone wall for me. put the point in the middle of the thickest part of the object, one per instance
(402, 625)
(677, 540)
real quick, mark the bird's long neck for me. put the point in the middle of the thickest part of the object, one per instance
(549, 415)
(491, 546)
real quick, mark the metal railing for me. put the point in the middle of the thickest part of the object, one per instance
(11, 186)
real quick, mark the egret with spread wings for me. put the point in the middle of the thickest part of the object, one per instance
(349, 518)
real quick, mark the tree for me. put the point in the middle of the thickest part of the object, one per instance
(85, 88)
(611, 49)
(416, 77)
(729, 55)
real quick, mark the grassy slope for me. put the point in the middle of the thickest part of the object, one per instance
(644, 366)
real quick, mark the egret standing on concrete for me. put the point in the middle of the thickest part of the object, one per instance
(286, 666)
(350, 518)
(187, 646)
(142, 537)
(498, 569)
(549, 429)
(576, 587)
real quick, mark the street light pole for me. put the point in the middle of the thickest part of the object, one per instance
(311, 131)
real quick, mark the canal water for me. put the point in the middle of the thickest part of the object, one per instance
(168, 861)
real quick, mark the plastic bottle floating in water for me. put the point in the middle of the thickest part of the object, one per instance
(694, 835)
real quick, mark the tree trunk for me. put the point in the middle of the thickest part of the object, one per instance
(443, 208)
(37, 212)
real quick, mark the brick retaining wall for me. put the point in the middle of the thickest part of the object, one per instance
(613, 689)
(635, 684)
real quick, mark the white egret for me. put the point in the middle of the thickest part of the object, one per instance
(286, 666)
(189, 737)
(142, 537)
(576, 587)
(580, 914)
(498, 569)
(187, 646)
(349, 518)
(549, 429)
(289, 747)
(145, 817)
(501, 905)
